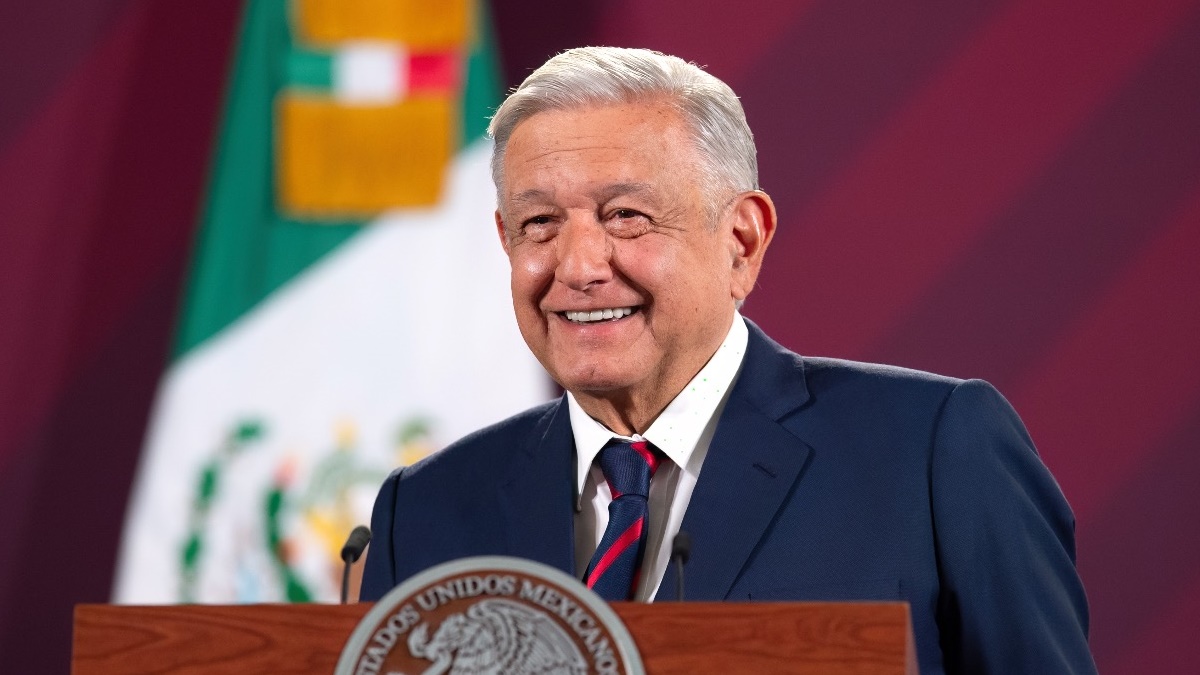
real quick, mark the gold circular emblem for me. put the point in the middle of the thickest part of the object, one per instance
(490, 615)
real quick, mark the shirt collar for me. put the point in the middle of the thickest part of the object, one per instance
(678, 428)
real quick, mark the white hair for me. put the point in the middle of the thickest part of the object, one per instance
(592, 76)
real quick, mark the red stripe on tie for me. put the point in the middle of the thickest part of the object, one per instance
(628, 538)
(643, 449)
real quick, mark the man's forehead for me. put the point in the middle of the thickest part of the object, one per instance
(657, 106)
(602, 193)
(599, 124)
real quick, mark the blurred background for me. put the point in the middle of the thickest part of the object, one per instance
(209, 357)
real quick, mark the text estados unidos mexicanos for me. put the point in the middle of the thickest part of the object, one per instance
(577, 618)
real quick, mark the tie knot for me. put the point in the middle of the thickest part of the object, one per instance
(628, 467)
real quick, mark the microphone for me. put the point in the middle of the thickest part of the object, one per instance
(355, 543)
(681, 549)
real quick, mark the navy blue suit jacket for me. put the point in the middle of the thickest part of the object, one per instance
(826, 480)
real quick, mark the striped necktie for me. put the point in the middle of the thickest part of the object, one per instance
(628, 467)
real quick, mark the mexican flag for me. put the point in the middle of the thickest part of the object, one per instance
(347, 310)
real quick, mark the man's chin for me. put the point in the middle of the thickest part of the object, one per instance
(595, 387)
(597, 384)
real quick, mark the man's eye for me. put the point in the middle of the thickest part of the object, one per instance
(627, 223)
(538, 228)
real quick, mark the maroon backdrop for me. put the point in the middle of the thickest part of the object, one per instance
(997, 189)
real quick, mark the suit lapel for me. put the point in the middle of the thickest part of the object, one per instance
(537, 499)
(751, 468)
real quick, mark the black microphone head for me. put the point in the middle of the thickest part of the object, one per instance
(681, 546)
(355, 543)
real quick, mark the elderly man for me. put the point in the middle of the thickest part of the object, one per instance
(628, 205)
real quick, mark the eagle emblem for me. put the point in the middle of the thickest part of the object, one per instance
(494, 637)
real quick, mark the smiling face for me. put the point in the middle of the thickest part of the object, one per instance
(622, 285)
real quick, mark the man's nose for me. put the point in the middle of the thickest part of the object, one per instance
(584, 254)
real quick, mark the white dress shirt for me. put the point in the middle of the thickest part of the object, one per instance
(683, 433)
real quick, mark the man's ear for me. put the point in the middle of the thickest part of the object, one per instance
(753, 216)
(500, 230)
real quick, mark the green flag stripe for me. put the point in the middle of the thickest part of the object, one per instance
(483, 87)
(245, 249)
(309, 69)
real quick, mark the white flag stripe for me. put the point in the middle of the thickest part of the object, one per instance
(370, 72)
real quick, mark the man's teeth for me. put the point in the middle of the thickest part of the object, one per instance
(598, 314)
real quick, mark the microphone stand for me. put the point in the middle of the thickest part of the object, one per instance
(355, 543)
(681, 549)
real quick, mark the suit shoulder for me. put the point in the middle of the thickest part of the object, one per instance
(780, 383)
(895, 398)
(841, 372)
(876, 393)
(489, 447)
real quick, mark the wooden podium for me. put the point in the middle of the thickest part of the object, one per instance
(691, 637)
